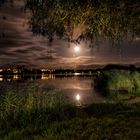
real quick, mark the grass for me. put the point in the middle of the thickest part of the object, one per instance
(119, 81)
(48, 116)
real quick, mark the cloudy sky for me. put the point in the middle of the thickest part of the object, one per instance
(18, 46)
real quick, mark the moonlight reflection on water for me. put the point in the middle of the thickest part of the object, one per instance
(76, 88)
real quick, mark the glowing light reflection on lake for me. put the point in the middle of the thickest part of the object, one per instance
(77, 89)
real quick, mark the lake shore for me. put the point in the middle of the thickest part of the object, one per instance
(46, 117)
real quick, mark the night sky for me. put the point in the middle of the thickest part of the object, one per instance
(18, 46)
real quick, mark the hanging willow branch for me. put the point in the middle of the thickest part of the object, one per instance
(110, 19)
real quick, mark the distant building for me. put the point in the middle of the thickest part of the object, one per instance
(46, 71)
(15, 71)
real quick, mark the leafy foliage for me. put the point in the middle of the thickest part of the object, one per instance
(74, 20)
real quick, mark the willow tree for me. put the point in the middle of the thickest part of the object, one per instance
(76, 20)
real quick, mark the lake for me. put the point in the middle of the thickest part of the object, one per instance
(78, 89)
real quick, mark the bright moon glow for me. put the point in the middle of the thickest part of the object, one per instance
(78, 97)
(76, 48)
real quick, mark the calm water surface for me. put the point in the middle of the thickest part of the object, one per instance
(78, 89)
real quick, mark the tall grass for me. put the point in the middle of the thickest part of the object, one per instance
(33, 107)
(119, 81)
(37, 115)
(13, 101)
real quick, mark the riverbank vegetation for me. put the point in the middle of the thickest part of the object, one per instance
(48, 116)
(119, 84)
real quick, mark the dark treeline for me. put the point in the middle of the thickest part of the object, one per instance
(121, 67)
(25, 71)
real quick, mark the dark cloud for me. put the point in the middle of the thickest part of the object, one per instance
(20, 63)
(9, 54)
(21, 51)
(36, 48)
(46, 58)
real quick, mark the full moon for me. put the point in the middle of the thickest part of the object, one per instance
(78, 97)
(76, 48)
